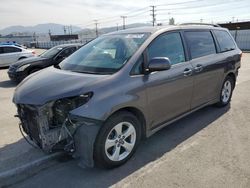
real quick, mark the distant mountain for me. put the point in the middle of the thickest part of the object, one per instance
(110, 29)
(90, 33)
(39, 29)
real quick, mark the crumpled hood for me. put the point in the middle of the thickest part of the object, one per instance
(52, 84)
(28, 61)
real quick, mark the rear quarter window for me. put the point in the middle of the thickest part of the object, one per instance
(200, 43)
(11, 49)
(225, 41)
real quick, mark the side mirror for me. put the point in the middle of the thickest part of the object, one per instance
(158, 64)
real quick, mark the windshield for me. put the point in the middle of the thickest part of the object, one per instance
(104, 55)
(51, 52)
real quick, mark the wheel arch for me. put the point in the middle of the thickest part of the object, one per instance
(233, 76)
(138, 113)
(22, 57)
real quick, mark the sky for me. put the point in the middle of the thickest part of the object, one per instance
(82, 13)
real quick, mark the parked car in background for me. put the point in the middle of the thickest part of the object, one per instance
(11, 53)
(22, 68)
(101, 101)
(13, 43)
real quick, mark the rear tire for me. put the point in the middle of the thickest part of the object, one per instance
(117, 140)
(226, 92)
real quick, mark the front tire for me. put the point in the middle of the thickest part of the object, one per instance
(117, 140)
(226, 92)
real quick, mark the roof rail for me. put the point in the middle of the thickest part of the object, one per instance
(214, 25)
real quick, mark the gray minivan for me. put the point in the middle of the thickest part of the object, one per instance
(123, 86)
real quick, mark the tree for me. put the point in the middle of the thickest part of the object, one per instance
(171, 21)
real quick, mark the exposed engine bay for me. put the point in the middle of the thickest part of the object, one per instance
(36, 123)
(52, 127)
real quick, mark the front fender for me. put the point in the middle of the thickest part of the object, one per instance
(100, 108)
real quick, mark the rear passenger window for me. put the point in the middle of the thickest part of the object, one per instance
(201, 43)
(167, 45)
(11, 49)
(225, 40)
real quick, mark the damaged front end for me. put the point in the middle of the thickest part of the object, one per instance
(52, 126)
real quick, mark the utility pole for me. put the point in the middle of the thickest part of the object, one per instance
(153, 14)
(233, 19)
(67, 30)
(96, 29)
(236, 34)
(117, 27)
(64, 30)
(49, 34)
(123, 18)
(34, 36)
(71, 31)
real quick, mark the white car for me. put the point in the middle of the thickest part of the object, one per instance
(10, 54)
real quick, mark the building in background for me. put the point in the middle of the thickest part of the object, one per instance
(63, 37)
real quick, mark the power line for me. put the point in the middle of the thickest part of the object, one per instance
(128, 14)
(198, 6)
(163, 13)
(160, 11)
(181, 3)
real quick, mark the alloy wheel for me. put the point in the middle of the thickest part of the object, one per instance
(226, 91)
(120, 141)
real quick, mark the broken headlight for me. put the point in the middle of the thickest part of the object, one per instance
(62, 107)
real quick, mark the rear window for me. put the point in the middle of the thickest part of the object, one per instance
(200, 43)
(11, 50)
(225, 41)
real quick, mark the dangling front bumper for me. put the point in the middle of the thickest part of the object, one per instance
(76, 135)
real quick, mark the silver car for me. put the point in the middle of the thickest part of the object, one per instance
(11, 53)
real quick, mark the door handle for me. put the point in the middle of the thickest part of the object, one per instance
(198, 68)
(187, 72)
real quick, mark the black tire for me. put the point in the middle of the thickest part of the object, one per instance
(101, 158)
(222, 102)
(21, 58)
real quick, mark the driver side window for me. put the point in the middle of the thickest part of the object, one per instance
(65, 53)
(167, 45)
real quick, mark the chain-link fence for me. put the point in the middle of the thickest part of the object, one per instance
(242, 38)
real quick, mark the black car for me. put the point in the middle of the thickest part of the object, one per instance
(22, 68)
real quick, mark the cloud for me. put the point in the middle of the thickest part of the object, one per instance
(83, 12)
